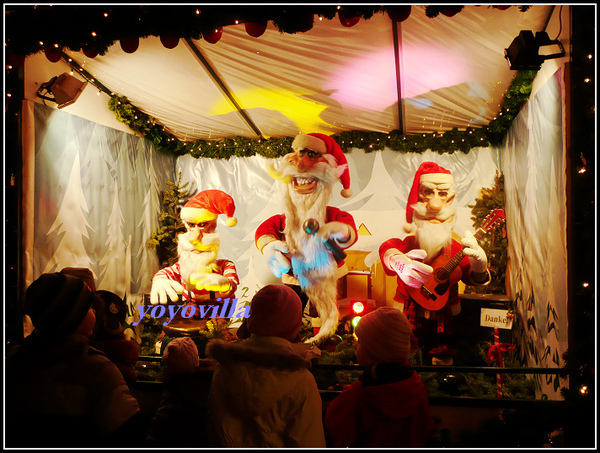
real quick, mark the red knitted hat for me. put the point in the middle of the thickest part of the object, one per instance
(324, 144)
(276, 311)
(426, 171)
(207, 205)
(384, 335)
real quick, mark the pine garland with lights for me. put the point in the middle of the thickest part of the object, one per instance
(445, 142)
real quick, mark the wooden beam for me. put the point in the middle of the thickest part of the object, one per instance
(398, 63)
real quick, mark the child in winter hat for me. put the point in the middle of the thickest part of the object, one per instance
(275, 310)
(383, 337)
(181, 356)
(58, 303)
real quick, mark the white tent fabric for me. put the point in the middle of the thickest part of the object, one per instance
(330, 79)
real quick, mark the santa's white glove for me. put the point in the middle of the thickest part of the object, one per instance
(210, 282)
(274, 253)
(476, 254)
(164, 289)
(409, 267)
(339, 231)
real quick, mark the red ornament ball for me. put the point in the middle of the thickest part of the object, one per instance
(214, 35)
(90, 52)
(348, 21)
(450, 10)
(398, 13)
(52, 53)
(255, 29)
(130, 45)
(170, 42)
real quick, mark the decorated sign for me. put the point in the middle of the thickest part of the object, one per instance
(492, 317)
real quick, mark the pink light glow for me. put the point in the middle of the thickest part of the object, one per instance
(370, 82)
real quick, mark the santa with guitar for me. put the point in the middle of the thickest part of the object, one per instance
(422, 261)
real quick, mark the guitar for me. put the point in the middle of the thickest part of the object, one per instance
(433, 295)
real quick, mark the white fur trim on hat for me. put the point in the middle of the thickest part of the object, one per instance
(304, 141)
(437, 178)
(197, 215)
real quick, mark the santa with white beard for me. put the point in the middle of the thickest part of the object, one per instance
(199, 276)
(410, 259)
(305, 260)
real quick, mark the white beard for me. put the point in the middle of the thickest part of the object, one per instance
(432, 237)
(313, 264)
(191, 262)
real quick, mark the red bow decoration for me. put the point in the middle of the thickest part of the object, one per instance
(496, 350)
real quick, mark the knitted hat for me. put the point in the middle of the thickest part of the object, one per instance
(207, 205)
(115, 310)
(324, 144)
(83, 273)
(384, 335)
(57, 303)
(181, 355)
(275, 310)
(427, 171)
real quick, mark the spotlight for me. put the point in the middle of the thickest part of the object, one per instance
(523, 53)
(65, 89)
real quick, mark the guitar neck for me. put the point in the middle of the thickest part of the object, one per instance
(456, 259)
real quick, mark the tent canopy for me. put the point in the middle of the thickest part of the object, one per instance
(448, 72)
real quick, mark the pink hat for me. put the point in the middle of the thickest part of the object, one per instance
(207, 205)
(181, 355)
(324, 144)
(428, 171)
(384, 334)
(276, 311)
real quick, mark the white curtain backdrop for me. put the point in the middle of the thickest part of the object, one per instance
(533, 162)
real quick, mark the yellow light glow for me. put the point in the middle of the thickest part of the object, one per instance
(302, 112)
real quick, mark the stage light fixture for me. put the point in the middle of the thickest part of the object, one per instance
(523, 52)
(64, 89)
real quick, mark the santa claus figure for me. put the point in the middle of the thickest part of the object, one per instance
(304, 257)
(199, 275)
(415, 260)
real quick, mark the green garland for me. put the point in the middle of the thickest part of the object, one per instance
(447, 142)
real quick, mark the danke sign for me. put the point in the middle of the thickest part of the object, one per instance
(491, 317)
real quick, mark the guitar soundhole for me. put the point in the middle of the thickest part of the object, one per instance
(442, 288)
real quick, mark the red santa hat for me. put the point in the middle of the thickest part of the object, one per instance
(324, 144)
(427, 171)
(207, 205)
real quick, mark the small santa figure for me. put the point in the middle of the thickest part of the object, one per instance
(199, 275)
(304, 256)
(412, 259)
